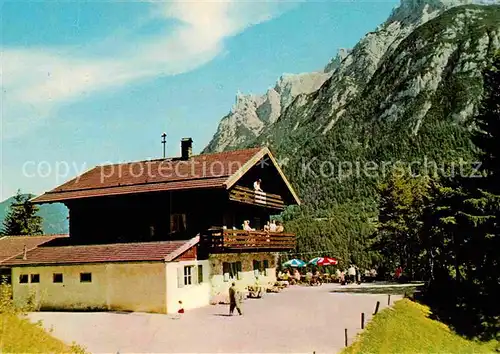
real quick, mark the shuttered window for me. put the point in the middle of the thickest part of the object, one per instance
(226, 271)
(231, 270)
(188, 275)
(180, 277)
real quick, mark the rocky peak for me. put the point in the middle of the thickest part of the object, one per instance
(290, 86)
(334, 63)
(250, 114)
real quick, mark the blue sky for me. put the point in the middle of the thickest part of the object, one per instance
(85, 83)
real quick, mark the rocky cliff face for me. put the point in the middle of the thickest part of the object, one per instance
(326, 97)
(252, 113)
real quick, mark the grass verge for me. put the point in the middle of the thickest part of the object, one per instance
(18, 335)
(407, 328)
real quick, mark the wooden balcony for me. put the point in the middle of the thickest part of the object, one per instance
(221, 240)
(249, 196)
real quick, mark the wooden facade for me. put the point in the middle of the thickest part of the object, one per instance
(178, 214)
(174, 216)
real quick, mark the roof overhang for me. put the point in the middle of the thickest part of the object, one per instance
(231, 181)
(178, 184)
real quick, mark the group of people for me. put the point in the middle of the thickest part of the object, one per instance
(270, 226)
(274, 226)
(352, 275)
(296, 277)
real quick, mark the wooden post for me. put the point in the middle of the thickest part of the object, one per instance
(362, 320)
(345, 337)
(388, 299)
(376, 307)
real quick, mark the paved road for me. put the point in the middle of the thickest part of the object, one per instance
(299, 320)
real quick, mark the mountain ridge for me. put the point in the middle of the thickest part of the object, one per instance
(345, 74)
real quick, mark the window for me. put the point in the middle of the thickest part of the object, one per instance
(188, 275)
(85, 277)
(200, 274)
(256, 268)
(231, 270)
(35, 278)
(23, 278)
(265, 265)
(57, 278)
(177, 223)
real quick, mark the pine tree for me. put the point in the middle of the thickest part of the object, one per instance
(398, 231)
(22, 218)
(483, 209)
(462, 230)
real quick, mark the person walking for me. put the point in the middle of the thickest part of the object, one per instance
(234, 300)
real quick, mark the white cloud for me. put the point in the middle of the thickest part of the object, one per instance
(36, 81)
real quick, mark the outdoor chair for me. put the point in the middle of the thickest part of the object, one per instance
(255, 291)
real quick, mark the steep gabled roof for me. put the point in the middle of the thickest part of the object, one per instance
(12, 246)
(219, 170)
(117, 252)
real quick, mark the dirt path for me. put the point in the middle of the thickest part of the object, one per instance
(298, 320)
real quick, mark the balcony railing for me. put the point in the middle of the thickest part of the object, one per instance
(220, 240)
(249, 196)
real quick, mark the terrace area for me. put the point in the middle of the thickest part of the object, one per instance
(220, 240)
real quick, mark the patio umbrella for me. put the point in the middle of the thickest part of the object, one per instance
(323, 261)
(294, 263)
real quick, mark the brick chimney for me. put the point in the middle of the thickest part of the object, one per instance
(186, 148)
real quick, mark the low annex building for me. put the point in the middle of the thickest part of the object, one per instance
(148, 277)
(145, 235)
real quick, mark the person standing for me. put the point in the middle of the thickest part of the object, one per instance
(337, 274)
(272, 226)
(234, 300)
(398, 273)
(342, 278)
(351, 272)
